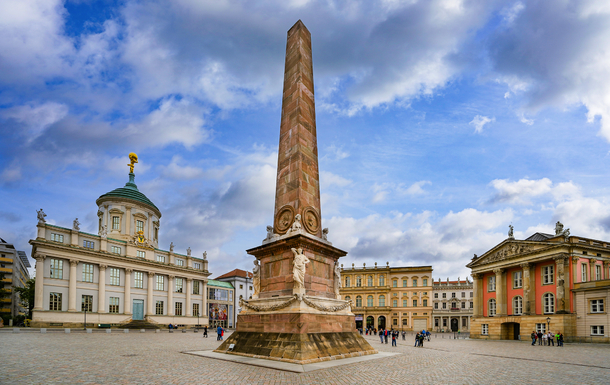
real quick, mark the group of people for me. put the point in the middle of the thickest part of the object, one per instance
(385, 334)
(547, 339)
(420, 337)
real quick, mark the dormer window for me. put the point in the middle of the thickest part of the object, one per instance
(116, 223)
(139, 226)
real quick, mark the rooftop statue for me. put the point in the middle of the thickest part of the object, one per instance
(510, 232)
(134, 159)
(41, 216)
(76, 224)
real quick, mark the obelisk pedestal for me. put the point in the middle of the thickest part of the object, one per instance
(298, 316)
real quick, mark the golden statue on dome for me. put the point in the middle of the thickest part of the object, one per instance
(134, 159)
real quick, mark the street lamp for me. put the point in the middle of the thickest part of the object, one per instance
(85, 325)
(548, 324)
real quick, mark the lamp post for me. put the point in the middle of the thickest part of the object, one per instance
(85, 324)
(548, 324)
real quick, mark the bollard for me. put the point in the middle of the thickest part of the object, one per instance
(125, 330)
(89, 330)
(142, 330)
(157, 331)
(43, 330)
(67, 331)
(183, 330)
(107, 330)
(15, 330)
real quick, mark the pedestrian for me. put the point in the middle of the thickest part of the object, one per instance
(381, 335)
(394, 337)
(404, 335)
(545, 338)
(421, 340)
(428, 334)
(551, 339)
(417, 339)
(205, 331)
(385, 335)
(557, 338)
(539, 334)
(560, 339)
(219, 333)
(533, 336)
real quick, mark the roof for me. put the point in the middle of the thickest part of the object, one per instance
(24, 258)
(131, 192)
(212, 282)
(460, 282)
(540, 237)
(236, 273)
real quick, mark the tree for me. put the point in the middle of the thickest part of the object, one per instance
(27, 295)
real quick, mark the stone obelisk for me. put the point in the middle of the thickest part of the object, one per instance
(296, 314)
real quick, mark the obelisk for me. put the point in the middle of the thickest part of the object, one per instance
(298, 315)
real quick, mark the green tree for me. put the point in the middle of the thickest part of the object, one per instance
(27, 295)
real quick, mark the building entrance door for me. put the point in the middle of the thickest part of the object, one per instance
(381, 322)
(510, 330)
(454, 325)
(138, 309)
(370, 322)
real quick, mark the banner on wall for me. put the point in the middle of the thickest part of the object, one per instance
(359, 317)
(217, 311)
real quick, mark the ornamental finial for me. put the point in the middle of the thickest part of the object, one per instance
(134, 159)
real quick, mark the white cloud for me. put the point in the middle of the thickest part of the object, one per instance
(328, 179)
(479, 121)
(37, 117)
(519, 192)
(416, 188)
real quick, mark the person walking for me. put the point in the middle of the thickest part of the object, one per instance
(394, 337)
(551, 339)
(421, 340)
(545, 338)
(539, 334)
(385, 335)
(417, 339)
(560, 341)
(219, 333)
(205, 331)
(404, 335)
(381, 335)
(534, 336)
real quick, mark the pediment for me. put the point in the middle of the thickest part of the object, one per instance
(508, 249)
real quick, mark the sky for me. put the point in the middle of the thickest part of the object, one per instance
(440, 122)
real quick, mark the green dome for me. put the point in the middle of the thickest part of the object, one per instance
(129, 192)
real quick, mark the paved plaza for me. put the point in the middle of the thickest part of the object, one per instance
(157, 358)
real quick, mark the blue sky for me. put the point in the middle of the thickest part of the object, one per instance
(439, 122)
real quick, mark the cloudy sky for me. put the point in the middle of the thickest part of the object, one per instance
(440, 122)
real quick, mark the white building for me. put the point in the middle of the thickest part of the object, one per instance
(242, 283)
(452, 305)
(119, 275)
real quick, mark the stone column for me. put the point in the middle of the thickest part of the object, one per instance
(127, 226)
(204, 302)
(127, 299)
(101, 298)
(476, 290)
(106, 220)
(39, 289)
(150, 308)
(575, 269)
(561, 295)
(189, 289)
(605, 273)
(592, 263)
(72, 286)
(527, 287)
(500, 292)
(170, 295)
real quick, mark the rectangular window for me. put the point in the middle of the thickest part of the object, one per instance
(138, 280)
(395, 303)
(197, 265)
(444, 305)
(57, 238)
(548, 275)
(159, 308)
(87, 303)
(444, 322)
(218, 294)
(179, 262)
(541, 328)
(116, 223)
(415, 283)
(230, 295)
(597, 306)
(115, 250)
(87, 272)
(452, 295)
(139, 226)
(195, 287)
(161, 258)
(598, 272)
(88, 244)
(141, 254)
(196, 309)
(583, 272)
(517, 279)
(597, 330)
(425, 282)
(55, 301)
(395, 283)
(491, 283)
(160, 282)
(472, 305)
(241, 286)
(485, 329)
(463, 305)
(178, 308)
(57, 268)
(115, 276)
(435, 295)
(404, 283)
(470, 294)
(179, 285)
(425, 302)
(113, 305)
(404, 303)
(444, 295)
(436, 305)
(463, 295)
(414, 302)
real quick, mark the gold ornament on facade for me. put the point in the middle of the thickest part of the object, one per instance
(133, 160)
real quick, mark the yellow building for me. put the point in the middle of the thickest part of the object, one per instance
(389, 297)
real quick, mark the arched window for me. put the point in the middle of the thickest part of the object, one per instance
(359, 301)
(382, 300)
(517, 305)
(491, 308)
(348, 298)
(548, 301)
(358, 281)
(347, 282)
(370, 281)
(382, 280)
(369, 300)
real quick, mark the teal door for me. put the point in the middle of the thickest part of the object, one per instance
(138, 309)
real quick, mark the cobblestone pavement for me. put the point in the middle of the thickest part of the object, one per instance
(155, 358)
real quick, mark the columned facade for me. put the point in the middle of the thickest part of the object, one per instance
(454, 303)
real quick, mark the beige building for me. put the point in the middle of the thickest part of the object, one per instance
(119, 275)
(453, 305)
(591, 300)
(389, 297)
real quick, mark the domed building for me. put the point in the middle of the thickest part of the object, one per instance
(118, 277)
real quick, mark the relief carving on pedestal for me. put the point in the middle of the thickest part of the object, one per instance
(311, 220)
(284, 219)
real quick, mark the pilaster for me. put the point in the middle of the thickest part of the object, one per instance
(72, 286)
(501, 309)
(101, 301)
(39, 288)
(476, 291)
(127, 299)
(560, 290)
(189, 290)
(170, 295)
(150, 308)
(592, 263)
